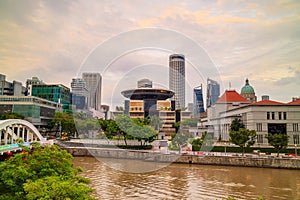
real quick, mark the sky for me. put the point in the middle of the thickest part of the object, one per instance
(227, 40)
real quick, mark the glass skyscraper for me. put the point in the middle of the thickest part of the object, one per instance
(177, 78)
(198, 100)
(213, 92)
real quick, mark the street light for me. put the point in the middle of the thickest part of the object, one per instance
(225, 147)
(295, 150)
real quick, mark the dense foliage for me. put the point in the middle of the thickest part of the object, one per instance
(236, 124)
(42, 173)
(243, 138)
(278, 141)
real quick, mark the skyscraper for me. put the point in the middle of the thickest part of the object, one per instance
(177, 78)
(198, 100)
(80, 93)
(213, 92)
(93, 82)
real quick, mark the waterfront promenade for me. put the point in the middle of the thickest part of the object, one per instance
(206, 158)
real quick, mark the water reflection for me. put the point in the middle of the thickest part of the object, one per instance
(183, 181)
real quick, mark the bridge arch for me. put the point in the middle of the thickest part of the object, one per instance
(12, 129)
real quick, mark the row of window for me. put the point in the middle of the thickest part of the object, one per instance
(260, 139)
(294, 125)
(280, 115)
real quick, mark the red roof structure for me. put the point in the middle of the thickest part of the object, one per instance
(267, 102)
(231, 96)
(296, 102)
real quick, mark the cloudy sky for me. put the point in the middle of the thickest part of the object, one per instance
(129, 40)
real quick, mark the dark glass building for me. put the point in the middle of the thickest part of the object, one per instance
(198, 100)
(213, 92)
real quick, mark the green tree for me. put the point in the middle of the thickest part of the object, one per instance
(278, 141)
(176, 125)
(236, 124)
(63, 122)
(178, 140)
(205, 140)
(243, 138)
(36, 172)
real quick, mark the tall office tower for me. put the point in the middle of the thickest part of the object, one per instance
(80, 93)
(93, 82)
(198, 100)
(144, 83)
(177, 78)
(213, 92)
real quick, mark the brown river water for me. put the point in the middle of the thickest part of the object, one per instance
(113, 179)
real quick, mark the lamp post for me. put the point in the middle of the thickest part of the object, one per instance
(295, 150)
(225, 147)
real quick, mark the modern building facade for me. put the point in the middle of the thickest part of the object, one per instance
(36, 110)
(30, 82)
(148, 102)
(53, 92)
(94, 83)
(14, 88)
(80, 93)
(213, 92)
(177, 78)
(198, 101)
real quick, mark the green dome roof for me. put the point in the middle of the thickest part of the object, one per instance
(247, 88)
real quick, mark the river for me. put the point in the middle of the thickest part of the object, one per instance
(186, 181)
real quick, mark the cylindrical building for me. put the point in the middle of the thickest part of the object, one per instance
(177, 78)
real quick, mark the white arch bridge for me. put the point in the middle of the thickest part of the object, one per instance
(13, 129)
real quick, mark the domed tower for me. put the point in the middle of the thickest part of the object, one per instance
(248, 92)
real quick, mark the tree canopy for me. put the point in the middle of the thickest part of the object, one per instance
(236, 124)
(278, 141)
(243, 138)
(43, 173)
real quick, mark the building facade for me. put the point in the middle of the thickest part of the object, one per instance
(30, 82)
(213, 92)
(53, 92)
(80, 93)
(94, 83)
(264, 117)
(198, 101)
(14, 88)
(177, 78)
(36, 110)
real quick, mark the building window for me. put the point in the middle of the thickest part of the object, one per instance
(279, 115)
(296, 139)
(259, 127)
(268, 115)
(284, 115)
(295, 127)
(260, 138)
(273, 115)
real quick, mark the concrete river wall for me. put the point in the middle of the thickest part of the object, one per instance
(267, 162)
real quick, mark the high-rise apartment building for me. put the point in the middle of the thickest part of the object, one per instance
(198, 100)
(177, 78)
(93, 82)
(213, 92)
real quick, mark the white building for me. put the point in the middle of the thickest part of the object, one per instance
(264, 117)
